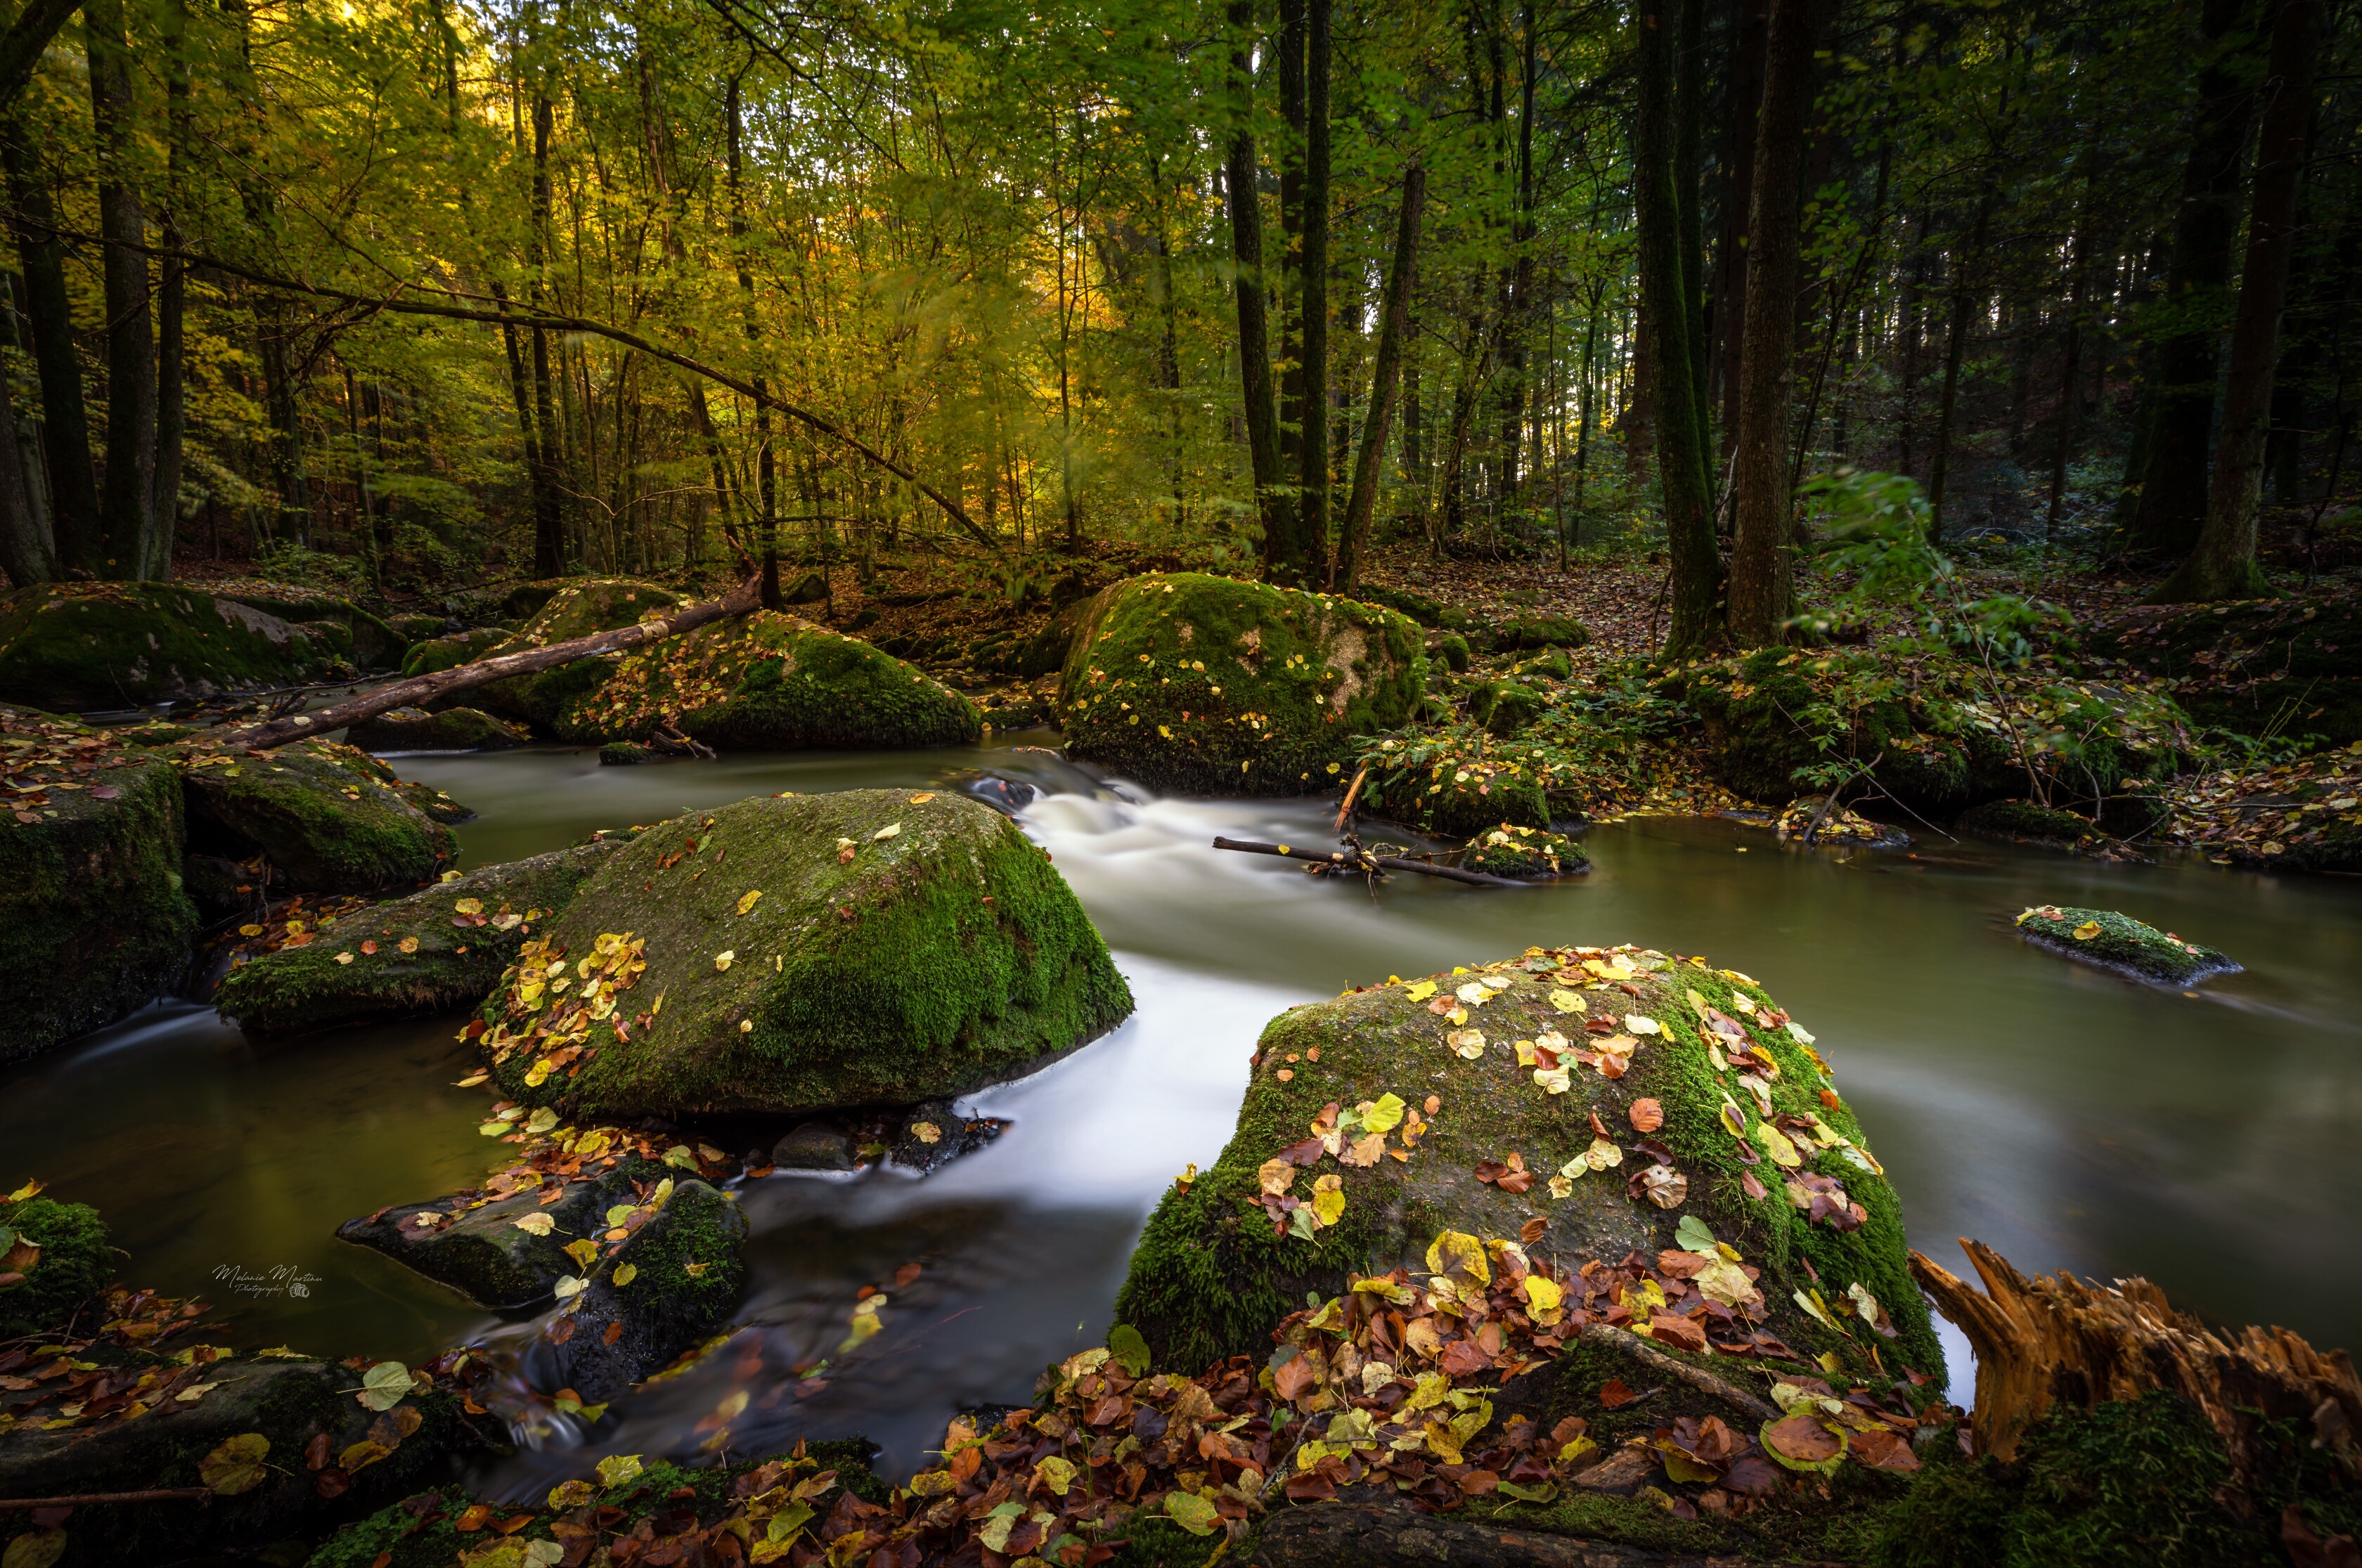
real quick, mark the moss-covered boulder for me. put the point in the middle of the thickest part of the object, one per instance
(1811, 819)
(454, 728)
(368, 639)
(770, 683)
(1427, 611)
(2113, 941)
(870, 947)
(1541, 632)
(1444, 781)
(1525, 853)
(1506, 707)
(1500, 1111)
(436, 655)
(53, 1257)
(444, 947)
(75, 645)
(2024, 820)
(670, 1283)
(416, 627)
(1189, 682)
(1448, 649)
(2283, 667)
(96, 922)
(325, 815)
(580, 609)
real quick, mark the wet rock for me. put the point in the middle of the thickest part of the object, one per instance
(1835, 825)
(220, 887)
(1525, 853)
(813, 1146)
(324, 813)
(1541, 632)
(580, 609)
(473, 1243)
(73, 645)
(933, 1133)
(95, 921)
(2024, 820)
(461, 935)
(1189, 682)
(811, 951)
(1007, 796)
(54, 1257)
(454, 728)
(2108, 940)
(437, 655)
(367, 639)
(1217, 1268)
(681, 1275)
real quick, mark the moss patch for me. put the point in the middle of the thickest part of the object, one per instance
(1525, 853)
(368, 639)
(1445, 782)
(449, 963)
(1541, 632)
(69, 646)
(1209, 1278)
(2118, 942)
(438, 654)
(2023, 819)
(325, 815)
(74, 1264)
(943, 955)
(454, 728)
(1189, 682)
(580, 609)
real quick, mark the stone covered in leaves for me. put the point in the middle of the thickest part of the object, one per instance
(114, 645)
(771, 682)
(444, 947)
(803, 952)
(96, 922)
(580, 609)
(454, 728)
(437, 655)
(1189, 682)
(1443, 782)
(330, 818)
(1611, 1098)
(1539, 631)
(365, 638)
(2118, 942)
(1811, 818)
(1524, 853)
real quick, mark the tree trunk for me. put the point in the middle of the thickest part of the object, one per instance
(65, 424)
(1369, 461)
(1763, 568)
(2197, 285)
(171, 312)
(766, 479)
(1743, 104)
(1956, 342)
(1313, 311)
(1286, 286)
(2222, 564)
(549, 512)
(1282, 561)
(1666, 298)
(1689, 156)
(25, 548)
(124, 496)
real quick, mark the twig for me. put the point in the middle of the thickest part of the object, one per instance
(1626, 1342)
(1362, 860)
(91, 1499)
(1345, 807)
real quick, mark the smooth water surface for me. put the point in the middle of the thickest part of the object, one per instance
(2071, 1118)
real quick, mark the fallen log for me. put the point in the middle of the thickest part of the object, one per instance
(420, 690)
(2062, 1341)
(1358, 859)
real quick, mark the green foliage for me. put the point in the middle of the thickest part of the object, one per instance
(76, 1264)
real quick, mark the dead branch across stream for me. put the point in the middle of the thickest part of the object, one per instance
(1362, 860)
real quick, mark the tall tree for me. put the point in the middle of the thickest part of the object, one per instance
(1282, 559)
(1394, 315)
(125, 497)
(1312, 474)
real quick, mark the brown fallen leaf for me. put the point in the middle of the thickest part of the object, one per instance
(1646, 1115)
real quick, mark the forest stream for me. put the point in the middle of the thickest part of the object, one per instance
(2071, 1119)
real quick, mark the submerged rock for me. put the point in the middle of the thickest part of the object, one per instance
(1189, 682)
(2118, 942)
(792, 954)
(445, 947)
(1502, 1119)
(73, 645)
(454, 728)
(324, 813)
(96, 920)
(771, 682)
(1526, 854)
(53, 1257)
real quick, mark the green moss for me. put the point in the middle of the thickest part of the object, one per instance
(1523, 852)
(76, 1264)
(1418, 606)
(1541, 632)
(2123, 943)
(439, 654)
(325, 815)
(1443, 782)
(96, 921)
(2023, 819)
(1452, 649)
(947, 954)
(1506, 707)
(368, 639)
(305, 988)
(700, 1226)
(112, 644)
(453, 729)
(1189, 682)
(580, 608)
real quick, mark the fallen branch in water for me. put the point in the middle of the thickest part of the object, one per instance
(739, 601)
(1362, 860)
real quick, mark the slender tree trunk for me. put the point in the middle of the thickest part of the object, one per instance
(1689, 160)
(549, 513)
(767, 484)
(1285, 287)
(2222, 564)
(171, 312)
(65, 423)
(1282, 559)
(1369, 461)
(26, 548)
(1762, 572)
(2071, 391)
(1313, 311)
(123, 497)
(1956, 341)
(1743, 102)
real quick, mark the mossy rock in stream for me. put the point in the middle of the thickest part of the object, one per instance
(1458, 794)
(1194, 683)
(2112, 940)
(456, 962)
(2023, 819)
(1211, 1278)
(72, 1262)
(453, 729)
(771, 682)
(71, 645)
(437, 655)
(869, 947)
(96, 922)
(580, 609)
(370, 640)
(680, 1275)
(325, 813)
(1524, 854)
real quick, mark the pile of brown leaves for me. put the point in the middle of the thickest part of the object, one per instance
(43, 759)
(56, 1370)
(2258, 816)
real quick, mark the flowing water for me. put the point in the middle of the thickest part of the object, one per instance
(2071, 1118)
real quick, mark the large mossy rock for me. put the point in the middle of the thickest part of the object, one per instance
(790, 954)
(437, 655)
(59, 1253)
(1201, 684)
(370, 640)
(454, 728)
(2289, 665)
(680, 1275)
(770, 683)
(330, 818)
(96, 922)
(68, 646)
(1446, 783)
(580, 609)
(1211, 1278)
(2108, 940)
(445, 947)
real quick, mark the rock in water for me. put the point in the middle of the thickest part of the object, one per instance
(59, 1253)
(329, 816)
(441, 948)
(437, 655)
(672, 1283)
(2111, 941)
(580, 609)
(1189, 682)
(791, 953)
(1591, 1102)
(771, 682)
(114, 644)
(96, 922)
(454, 728)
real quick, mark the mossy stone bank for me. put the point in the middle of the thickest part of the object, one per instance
(444, 947)
(2108, 940)
(53, 1257)
(454, 728)
(801, 952)
(80, 646)
(1194, 683)
(330, 818)
(1721, 1113)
